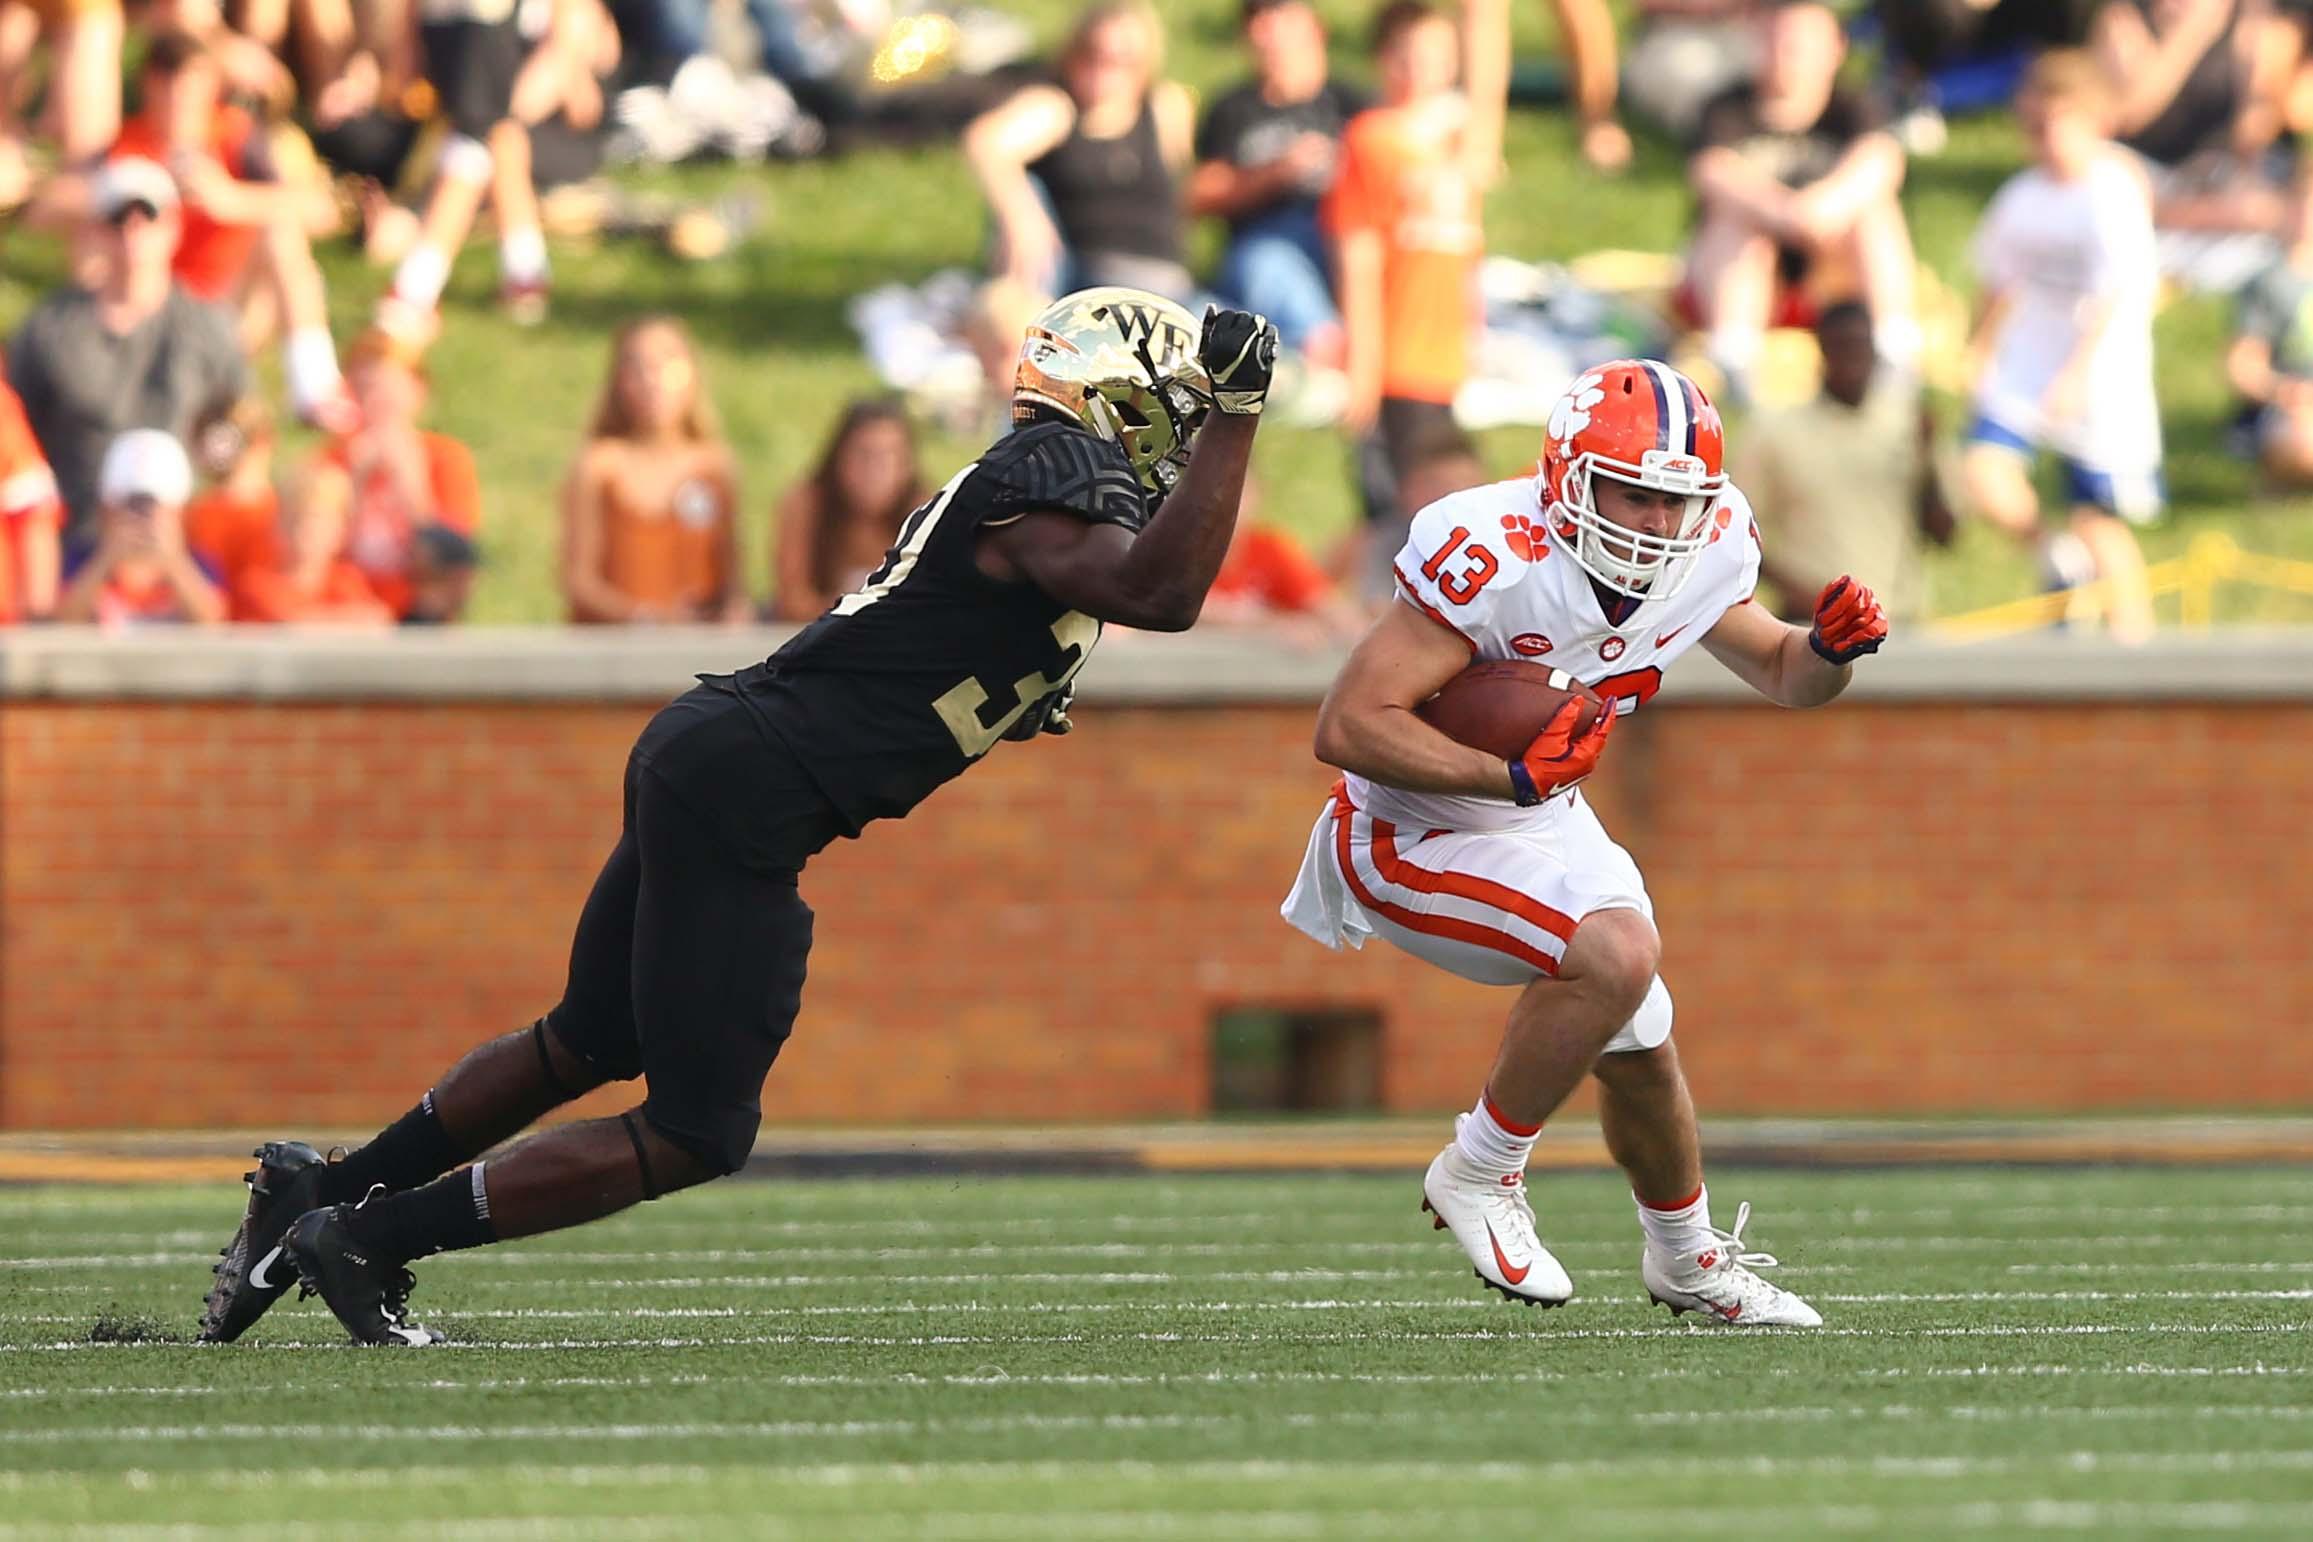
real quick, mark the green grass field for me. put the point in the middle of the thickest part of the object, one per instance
(781, 357)
(2117, 1352)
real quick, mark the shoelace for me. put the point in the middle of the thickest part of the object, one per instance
(1731, 1254)
(1513, 1197)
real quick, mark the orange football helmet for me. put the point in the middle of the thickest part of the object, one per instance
(1638, 421)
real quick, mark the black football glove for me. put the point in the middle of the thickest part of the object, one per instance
(1239, 352)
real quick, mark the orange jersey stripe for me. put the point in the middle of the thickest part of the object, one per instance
(1449, 927)
(1484, 891)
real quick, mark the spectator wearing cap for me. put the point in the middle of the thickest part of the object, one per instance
(244, 242)
(133, 351)
(1265, 156)
(409, 500)
(141, 569)
(29, 516)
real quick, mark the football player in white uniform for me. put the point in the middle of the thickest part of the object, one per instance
(1626, 549)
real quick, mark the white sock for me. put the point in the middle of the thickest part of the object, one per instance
(420, 278)
(1491, 1143)
(522, 256)
(1683, 1231)
(309, 361)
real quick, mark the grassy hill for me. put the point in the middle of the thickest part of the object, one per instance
(781, 359)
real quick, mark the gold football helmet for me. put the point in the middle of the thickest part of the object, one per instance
(1122, 363)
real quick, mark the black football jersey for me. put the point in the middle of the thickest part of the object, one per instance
(922, 669)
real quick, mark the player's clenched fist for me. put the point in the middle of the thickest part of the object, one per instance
(1239, 352)
(1560, 755)
(1848, 622)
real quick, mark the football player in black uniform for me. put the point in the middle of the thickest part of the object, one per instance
(1113, 500)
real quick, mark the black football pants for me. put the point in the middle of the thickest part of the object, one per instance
(687, 968)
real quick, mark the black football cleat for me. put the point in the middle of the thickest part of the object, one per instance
(369, 1295)
(252, 1273)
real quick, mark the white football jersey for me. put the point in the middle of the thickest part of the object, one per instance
(1481, 563)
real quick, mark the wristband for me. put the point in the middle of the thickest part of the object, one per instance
(1522, 789)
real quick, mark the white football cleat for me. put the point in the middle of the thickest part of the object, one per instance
(1718, 1283)
(1490, 1218)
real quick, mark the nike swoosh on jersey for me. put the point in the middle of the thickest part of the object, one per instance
(257, 1275)
(1510, 1275)
(1664, 640)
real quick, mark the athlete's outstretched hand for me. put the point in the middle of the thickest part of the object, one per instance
(1848, 622)
(1559, 757)
(1239, 352)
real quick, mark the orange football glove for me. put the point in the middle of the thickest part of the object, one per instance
(1848, 622)
(1559, 757)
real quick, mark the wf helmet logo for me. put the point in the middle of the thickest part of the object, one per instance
(1142, 324)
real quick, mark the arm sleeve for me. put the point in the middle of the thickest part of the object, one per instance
(2123, 237)
(27, 485)
(1742, 528)
(1058, 468)
(1455, 568)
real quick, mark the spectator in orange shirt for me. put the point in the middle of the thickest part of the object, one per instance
(1404, 217)
(311, 581)
(244, 244)
(141, 569)
(31, 514)
(1270, 580)
(649, 515)
(835, 528)
(234, 525)
(410, 500)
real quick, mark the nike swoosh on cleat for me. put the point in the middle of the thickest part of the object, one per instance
(1516, 1276)
(257, 1275)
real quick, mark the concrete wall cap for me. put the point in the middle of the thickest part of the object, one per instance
(565, 664)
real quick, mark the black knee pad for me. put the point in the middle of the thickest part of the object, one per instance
(721, 1148)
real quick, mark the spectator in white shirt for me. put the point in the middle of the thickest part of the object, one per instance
(2069, 268)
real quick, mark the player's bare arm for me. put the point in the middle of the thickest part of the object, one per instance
(1157, 579)
(1799, 666)
(1368, 727)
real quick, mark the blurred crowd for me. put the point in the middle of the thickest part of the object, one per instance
(188, 155)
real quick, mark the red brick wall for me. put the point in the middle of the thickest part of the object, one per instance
(296, 914)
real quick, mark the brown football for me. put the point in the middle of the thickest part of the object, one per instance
(1501, 705)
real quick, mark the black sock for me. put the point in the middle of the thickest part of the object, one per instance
(410, 1151)
(450, 1213)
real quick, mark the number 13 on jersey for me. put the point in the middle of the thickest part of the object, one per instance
(1476, 569)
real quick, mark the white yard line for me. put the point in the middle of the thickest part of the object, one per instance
(904, 1380)
(877, 1475)
(1536, 1333)
(993, 1424)
(1044, 1308)
(555, 1257)
(1444, 1519)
